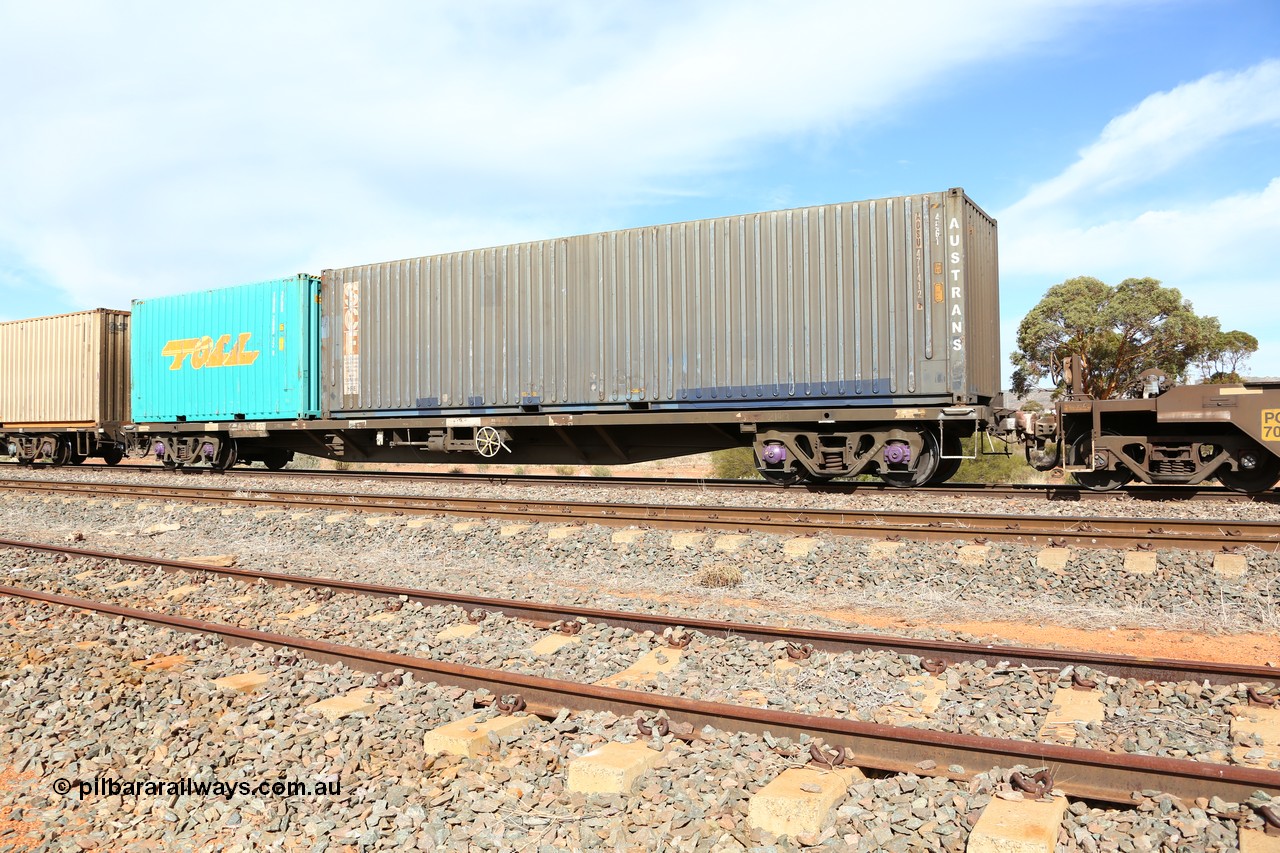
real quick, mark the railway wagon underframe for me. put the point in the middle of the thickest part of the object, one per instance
(62, 444)
(906, 446)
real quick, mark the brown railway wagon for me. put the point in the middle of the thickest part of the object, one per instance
(1185, 434)
(835, 339)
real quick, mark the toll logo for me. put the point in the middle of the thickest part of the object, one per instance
(1271, 424)
(206, 352)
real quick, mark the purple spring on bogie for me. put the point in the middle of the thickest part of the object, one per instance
(897, 454)
(206, 449)
(775, 454)
(158, 449)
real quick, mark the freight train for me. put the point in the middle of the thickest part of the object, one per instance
(835, 340)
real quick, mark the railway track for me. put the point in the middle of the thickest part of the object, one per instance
(1092, 532)
(1052, 492)
(1088, 773)
(545, 614)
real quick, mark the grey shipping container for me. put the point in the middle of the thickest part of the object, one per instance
(871, 303)
(68, 371)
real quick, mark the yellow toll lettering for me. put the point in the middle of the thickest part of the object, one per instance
(179, 350)
(241, 355)
(204, 350)
(206, 353)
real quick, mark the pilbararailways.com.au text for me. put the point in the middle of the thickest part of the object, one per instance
(107, 787)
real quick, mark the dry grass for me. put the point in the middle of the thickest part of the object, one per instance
(719, 575)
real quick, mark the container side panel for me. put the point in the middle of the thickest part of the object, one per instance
(848, 303)
(982, 276)
(238, 353)
(65, 370)
(114, 375)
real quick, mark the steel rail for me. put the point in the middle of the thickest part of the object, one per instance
(1092, 532)
(1092, 774)
(546, 614)
(1046, 491)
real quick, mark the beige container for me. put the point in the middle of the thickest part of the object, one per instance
(70, 370)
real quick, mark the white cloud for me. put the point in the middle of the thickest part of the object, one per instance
(154, 148)
(1229, 237)
(1166, 129)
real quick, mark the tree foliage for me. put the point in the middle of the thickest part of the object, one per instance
(1226, 354)
(996, 466)
(1120, 331)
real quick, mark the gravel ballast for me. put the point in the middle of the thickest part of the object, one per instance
(1121, 506)
(922, 580)
(82, 713)
(1181, 720)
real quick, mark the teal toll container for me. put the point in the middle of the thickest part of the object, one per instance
(237, 353)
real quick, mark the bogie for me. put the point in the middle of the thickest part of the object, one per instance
(903, 456)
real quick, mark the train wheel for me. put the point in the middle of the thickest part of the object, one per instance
(112, 455)
(1096, 481)
(77, 459)
(947, 468)
(276, 459)
(782, 478)
(1261, 477)
(926, 466)
(776, 454)
(226, 456)
(61, 454)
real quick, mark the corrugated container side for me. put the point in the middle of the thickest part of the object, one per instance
(982, 276)
(65, 370)
(238, 353)
(843, 303)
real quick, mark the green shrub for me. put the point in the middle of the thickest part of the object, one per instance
(738, 463)
(600, 471)
(565, 470)
(995, 467)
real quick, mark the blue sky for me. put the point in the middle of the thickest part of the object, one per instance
(151, 148)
